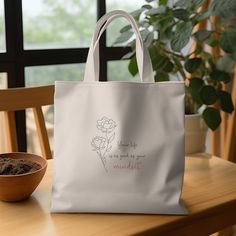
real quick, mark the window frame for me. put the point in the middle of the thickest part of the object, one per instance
(16, 58)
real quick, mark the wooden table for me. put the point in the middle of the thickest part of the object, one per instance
(209, 193)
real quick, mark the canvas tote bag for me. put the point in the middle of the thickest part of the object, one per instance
(119, 146)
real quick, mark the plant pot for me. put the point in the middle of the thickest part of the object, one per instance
(195, 134)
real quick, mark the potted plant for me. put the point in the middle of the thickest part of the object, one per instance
(169, 31)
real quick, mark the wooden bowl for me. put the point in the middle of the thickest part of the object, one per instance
(19, 187)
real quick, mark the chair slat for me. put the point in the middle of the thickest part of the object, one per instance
(11, 131)
(22, 98)
(42, 132)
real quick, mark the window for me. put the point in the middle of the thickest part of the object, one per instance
(2, 28)
(42, 41)
(118, 70)
(70, 72)
(58, 23)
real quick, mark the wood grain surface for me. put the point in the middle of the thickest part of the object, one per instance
(209, 193)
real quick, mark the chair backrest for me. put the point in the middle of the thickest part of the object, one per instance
(12, 100)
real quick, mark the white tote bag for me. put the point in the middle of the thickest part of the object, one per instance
(119, 146)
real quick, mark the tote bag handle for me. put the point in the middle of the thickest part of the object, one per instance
(142, 55)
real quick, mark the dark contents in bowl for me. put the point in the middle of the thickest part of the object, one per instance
(10, 166)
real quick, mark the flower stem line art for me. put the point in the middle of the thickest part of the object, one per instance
(102, 144)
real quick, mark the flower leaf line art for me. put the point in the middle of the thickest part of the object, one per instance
(103, 144)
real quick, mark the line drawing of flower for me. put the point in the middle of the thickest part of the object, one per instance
(98, 143)
(102, 144)
(106, 125)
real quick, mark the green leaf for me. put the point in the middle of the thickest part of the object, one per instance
(225, 63)
(181, 36)
(181, 14)
(163, 24)
(159, 10)
(219, 75)
(158, 60)
(125, 28)
(192, 64)
(149, 39)
(161, 76)
(147, 6)
(144, 33)
(202, 35)
(133, 67)
(213, 42)
(208, 95)
(212, 117)
(177, 62)
(228, 39)
(168, 67)
(202, 15)
(137, 13)
(198, 49)
(163, 2)
(189, 3)
(183, 3)
(206, 56)
(195, 84)
(226, 102)
(198, 3)
(124, 37)
(234, 56)
(225, 9)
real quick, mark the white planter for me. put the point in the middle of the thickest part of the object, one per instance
(195, 134)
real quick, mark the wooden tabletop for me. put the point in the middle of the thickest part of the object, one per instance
(209, 193)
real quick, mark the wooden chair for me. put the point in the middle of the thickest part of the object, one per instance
(19, 99)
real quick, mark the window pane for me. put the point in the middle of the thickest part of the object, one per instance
(118, 71)
(114, 29)
(58, 23)
(43, 75)
(2, 28)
